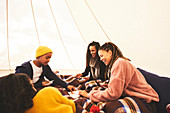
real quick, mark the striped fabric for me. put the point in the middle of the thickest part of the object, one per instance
(129, 105)
(87, 105)
(90, 84)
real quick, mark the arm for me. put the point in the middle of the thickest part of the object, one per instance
(27, 69)
(102, 71)
(86, 72)
(52, 76)
(115, 86)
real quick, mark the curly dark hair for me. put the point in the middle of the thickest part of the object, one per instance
(16, 93)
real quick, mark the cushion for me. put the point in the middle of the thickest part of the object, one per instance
(162, 86)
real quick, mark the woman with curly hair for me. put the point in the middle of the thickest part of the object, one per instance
(16, 93)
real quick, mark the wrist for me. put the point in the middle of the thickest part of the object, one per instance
(88, 95)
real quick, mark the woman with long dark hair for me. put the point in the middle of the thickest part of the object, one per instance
(94, 66)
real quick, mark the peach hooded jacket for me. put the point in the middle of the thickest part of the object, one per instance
(127, 80)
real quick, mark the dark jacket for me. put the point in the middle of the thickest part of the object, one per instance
(102, 71)
(47, 72)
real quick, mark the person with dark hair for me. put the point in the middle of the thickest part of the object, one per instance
(18, 95)
(38, 69)
(94, 66)
(127, 88)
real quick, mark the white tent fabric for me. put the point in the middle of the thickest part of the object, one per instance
(139, 28)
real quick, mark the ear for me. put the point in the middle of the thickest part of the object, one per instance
(110, 52)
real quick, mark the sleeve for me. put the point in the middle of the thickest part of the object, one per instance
(52, 76)
(26, 68)
(64, 100)
(38, 84)
(115, 86)
(102, 71)
(87, 71)
(21, 69)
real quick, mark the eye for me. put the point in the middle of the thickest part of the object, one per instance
(48, 57)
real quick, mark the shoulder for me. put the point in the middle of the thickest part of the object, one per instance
(121, 61)
(124, 66)
(47, 70)
(24, 66)
(49, 90)
(46, 67)
(47, 93)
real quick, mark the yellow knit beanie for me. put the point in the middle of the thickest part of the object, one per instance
(41, 50)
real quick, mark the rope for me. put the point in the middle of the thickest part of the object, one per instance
(35, 22)
(9, 63)
(7, 69)
(97, 20)
(60, 35)
(75, 22)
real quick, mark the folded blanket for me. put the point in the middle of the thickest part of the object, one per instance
(126, 105)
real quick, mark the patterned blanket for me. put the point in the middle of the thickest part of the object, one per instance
(124, 105)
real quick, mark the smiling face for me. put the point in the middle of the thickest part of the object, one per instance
(93, 51)
(105, 56)
(44, 59)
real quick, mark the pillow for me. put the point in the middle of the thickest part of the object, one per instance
(162, 86)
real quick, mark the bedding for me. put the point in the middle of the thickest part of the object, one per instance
(160, 84)
(125, 104)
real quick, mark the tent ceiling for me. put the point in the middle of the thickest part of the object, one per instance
(139, 28)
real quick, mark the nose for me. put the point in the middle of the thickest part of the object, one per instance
(49, 60)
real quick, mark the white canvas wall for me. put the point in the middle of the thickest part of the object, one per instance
(139, 28)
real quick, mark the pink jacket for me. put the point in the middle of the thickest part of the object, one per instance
(127, 80)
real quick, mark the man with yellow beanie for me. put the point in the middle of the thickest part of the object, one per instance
(38, 69)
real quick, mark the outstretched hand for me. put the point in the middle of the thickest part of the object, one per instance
(78, 75)
(46, 83)
(83, 93)
(71, 88)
